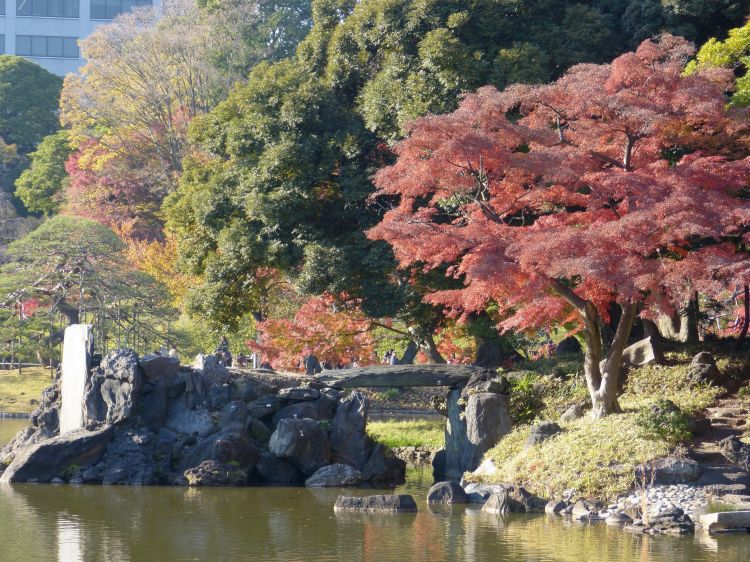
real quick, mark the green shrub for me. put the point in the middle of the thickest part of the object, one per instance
(665, 421)
(526, 400)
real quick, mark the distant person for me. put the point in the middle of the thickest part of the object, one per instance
(387, 357)
(327, 366)
(393, 360)
(311, 365)
(266, 365)
(242, 360)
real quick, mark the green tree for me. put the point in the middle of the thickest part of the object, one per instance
(29, 97)
(732, 53)
(40, 185)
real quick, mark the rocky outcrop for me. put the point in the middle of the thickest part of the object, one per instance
(377, 504)
(477, 420)
(112, 392)
(214, 473)
(45, 460)
(703, 369)
(349, 442)
(542, 431)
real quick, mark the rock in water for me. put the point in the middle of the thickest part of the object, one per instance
(334, 475)
(497, 503)
(384, 467)
(447, 492)
(303, 443)
(272, 470)
(349, 442)
(112, 392)
(50, 458)
(377, 504)
(214, 473)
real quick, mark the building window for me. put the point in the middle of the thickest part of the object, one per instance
(47, 46)
(2, 44)
(109, 9)
(47, 8)
(2, 8)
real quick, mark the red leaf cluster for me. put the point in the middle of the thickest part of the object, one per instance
(569, 190)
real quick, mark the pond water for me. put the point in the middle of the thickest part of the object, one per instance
(92, 523)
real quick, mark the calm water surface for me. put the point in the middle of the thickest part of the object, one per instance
(96, 523)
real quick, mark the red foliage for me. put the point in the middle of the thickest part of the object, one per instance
(334, 333)
(541, 197)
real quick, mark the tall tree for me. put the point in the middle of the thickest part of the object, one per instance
(554, 201)
(29, 97)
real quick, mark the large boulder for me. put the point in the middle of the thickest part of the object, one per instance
(211, 368)
(272, 470)
(670, 470)
(53, 457)
(384, 467)
(447, 492)
(265, 406)
(638, 354)
(303, 443)
(472, 430)
(219, 395)
(334, 475)
(229, 446)
(215, 473)
(298, 394)
(245, 389)
(183, 419)
(497, 503)
(159, 367)
(569, 346)
(349, 442)
(735, 451)
(377, 504)
(233, 414)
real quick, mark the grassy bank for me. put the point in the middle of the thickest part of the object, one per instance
(18, 391)
(427, 432)
(598, 457)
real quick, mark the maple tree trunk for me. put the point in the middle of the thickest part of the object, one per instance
(745, 319)
(691, 317)
(429, 348)
(603, 374)
(652, 331)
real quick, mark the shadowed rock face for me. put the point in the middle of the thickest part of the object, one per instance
(377, 504)
(304, 443)
(45, 460)
(349, 442)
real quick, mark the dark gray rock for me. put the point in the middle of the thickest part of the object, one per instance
(264, 407)
(569, 346)
(303, 443)
(703, 369)
(211, 368)
(497, 503)
(215, 473)
(257, 430)
(520, 500)
(585, 510)
(618, 519)
(182, 419)
(134, 457)
(485, 381)
(320, 409)
(121, 386)
(228, 446)
(159, 367)
(542, 431)
(334, 475)
(446, 492)
(244, 389)
(478, 493)
(735, 451)
(219, 396)
(233, 414)
(383, 467)
(43, 461)
(349, 442)
(555, 506)
(377, 504)
(298, 394)
(154, 411)
(272, 470)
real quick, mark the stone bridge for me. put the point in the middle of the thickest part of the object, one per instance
(399, 376)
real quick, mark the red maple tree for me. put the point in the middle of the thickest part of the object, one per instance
(556, 201)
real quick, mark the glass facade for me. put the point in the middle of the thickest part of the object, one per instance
(2, 44)
(108, 9)
(47, 46)
(47, 8)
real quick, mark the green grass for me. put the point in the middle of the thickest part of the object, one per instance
(16, 391)
(427, 432)
(720, 507)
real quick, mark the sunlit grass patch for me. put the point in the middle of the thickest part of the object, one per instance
(17, 391)
(426, 432)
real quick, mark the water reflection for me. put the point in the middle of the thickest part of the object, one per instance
(91, 523)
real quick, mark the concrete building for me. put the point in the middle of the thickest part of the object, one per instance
(47, 31)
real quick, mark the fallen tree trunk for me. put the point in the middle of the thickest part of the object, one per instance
(395, 376)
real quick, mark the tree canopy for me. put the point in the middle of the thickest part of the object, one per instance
(555, 201)
(29, 99)
(41, 186)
